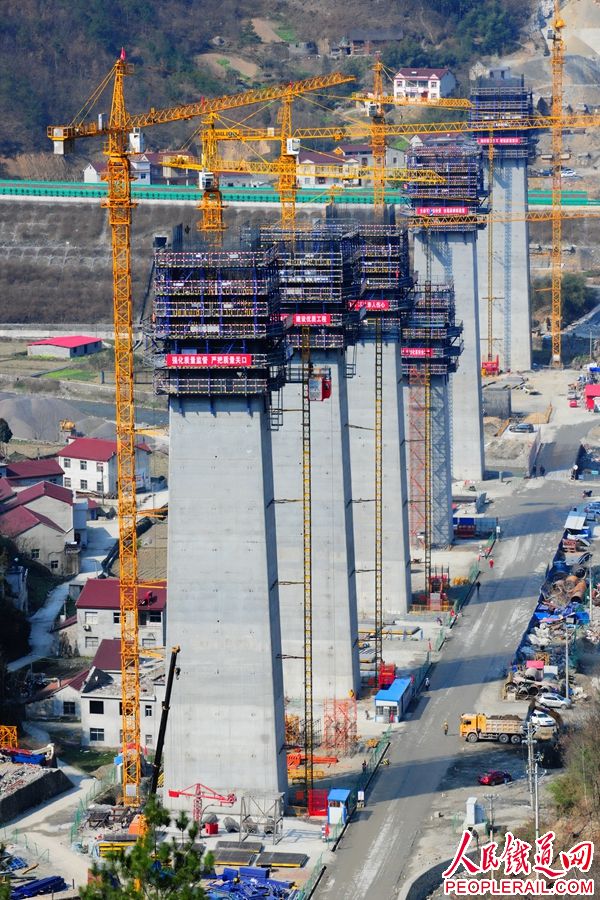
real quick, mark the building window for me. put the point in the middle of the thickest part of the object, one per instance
(35, 554)
(54, 564)
(154, 618)
(97, 707)
(69, 708)
(99, 467)
(83, 484)
(91, 642)
(91, 617)
(83, 464)
(149, 740)
(99, 486)
(66, 463)
(96, 734)
(149, 641)
(117, 617)
(67, 482)
(147, 711)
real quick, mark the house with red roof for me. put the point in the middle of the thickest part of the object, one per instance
(90, 466)
(69, 347)
(56, 503)
(31, 471)
(41, 539)
(100, 698)
(423, 84)
(99, 615)
(59, 699)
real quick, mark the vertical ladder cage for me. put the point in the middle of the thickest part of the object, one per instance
(307, 540)
(378, 498)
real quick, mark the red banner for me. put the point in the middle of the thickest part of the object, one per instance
(209, 360)
(418, 352)
(501, 139)
(442, 210)
(309, 318)
(371, 304)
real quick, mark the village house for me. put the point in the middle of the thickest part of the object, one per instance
(41, 539)
(365, 42)
(29, 471)
(90, 465)
(69, 347)
(100, 699)
(309, 174)
(60, 699)
(99, 615)
(423, 84)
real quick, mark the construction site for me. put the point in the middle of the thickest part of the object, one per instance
(324, 371)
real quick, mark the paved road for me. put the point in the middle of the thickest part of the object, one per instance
(373, 856)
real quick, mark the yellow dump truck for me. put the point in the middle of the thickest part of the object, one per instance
(479, 727)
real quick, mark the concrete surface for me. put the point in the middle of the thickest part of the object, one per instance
(395, 550)
(335, 638)
(226, 725)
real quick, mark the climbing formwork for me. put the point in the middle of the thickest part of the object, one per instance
(217, 341)
(340, 733)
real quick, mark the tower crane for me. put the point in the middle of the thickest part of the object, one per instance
(119, 205)
(558, 58)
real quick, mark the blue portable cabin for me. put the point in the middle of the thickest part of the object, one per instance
(391, 703)
(340, 803)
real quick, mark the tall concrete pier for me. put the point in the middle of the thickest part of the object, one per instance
(219, 355)
(500, 95)
(316, 277)
(445, 250)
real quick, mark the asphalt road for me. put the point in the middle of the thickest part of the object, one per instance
(372, 858)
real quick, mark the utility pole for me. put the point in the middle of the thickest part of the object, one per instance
(531, 742)
(567, 661)
(536, 805)
(490, 799)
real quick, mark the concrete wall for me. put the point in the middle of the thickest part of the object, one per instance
(50, 783)
(56, 510)
(226, 724)
(335, 627)
(110, 719)
(396, 551)
(511, 315)
(454, 258)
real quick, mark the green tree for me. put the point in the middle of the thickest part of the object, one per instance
(154, 869)
(5, 432)
(577, 297)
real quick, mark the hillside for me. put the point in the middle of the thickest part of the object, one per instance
(53, 55)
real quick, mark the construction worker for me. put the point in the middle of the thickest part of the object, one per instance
(477, 588)
(491, 562)
(445, 727)
(426, 682)
(364, 766)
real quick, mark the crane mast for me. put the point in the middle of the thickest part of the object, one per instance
(119, 211)
(558, 55)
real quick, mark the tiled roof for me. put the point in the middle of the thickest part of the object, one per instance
(103, 593)
(21, 519)
(70, 341)
(41, 489)
(421, 73)
(95, 449)
(108, 656)
(349, 149)
(6, 490)
(33, 468)
(76, 682)
(314, 157)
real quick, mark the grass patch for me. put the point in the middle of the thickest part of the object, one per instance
(72, 374)
(88, 760)
(224, 62)
(286, 33)
(40, 584)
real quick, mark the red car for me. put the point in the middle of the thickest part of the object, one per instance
(495, 777)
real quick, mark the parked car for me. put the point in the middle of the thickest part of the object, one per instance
(522, 427)
(553, 701)
(495, 776)
(541, 719)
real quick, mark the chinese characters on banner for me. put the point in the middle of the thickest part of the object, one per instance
(209, 360)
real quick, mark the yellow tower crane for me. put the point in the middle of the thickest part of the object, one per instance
(558, 57)
(119, 205)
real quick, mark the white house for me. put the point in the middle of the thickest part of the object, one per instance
(99, 615)
(363, 153)
(41, 539)
(310, 172)
(61, 699)
(423, 84)
(69, 347)
(101, 699)
(90, 465)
